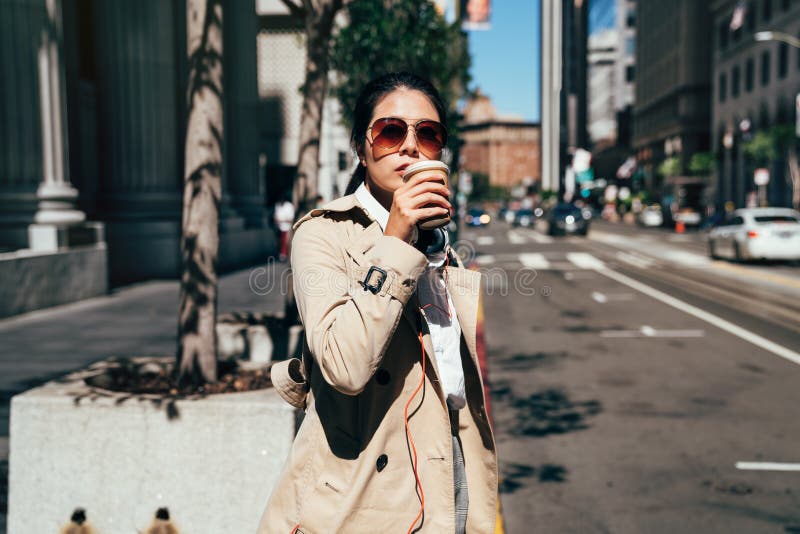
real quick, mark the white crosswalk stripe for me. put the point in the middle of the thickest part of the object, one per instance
(534, 261)
(515, 239)
(552, 261)
(485, 240)
(584, 260)
(541, 238)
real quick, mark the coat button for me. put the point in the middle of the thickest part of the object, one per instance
(381, 463)
(382, 376)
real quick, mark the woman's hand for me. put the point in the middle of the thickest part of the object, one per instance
(421, 197)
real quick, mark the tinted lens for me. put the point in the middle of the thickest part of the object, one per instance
(431, 136)
(387, 133)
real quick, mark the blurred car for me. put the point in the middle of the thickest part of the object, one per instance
(688, 217)
(567, 218)
(477, 217)
(651, 216)
(527, 217)
(757, 233)
(506, 214)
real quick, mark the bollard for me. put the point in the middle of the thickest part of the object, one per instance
(680, 227)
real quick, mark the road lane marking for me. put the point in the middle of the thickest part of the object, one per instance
(767, 466)
(599, 297)
(585, 261)
(635, 260)
(534, 261)
(541, 238)
(575, 275)
(515, 239)
(485, 259)
(689, 259)
(485, 240)
(649, 331)
(703, 315)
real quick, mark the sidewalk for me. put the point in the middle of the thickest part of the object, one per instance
(137, 320)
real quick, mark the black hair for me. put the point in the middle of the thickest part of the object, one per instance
(365, 106)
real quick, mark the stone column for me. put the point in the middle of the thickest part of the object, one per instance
(243, 180)
(56, 195)
(141, 108)
(34, 181)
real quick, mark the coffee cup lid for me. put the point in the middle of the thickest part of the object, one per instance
(428, 165)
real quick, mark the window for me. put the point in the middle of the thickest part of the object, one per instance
(629, 73)
(765, 67)
(723, 35)
(766, 14)
(630, 46)
(736, 76)
(630, 20)
(723, 87)
(749, 69)
(783, 60)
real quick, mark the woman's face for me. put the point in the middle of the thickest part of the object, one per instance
(385, 171)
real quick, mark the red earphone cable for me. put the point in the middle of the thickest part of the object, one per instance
(411, 440)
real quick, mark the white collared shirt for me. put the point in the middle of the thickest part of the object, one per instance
(438, 311)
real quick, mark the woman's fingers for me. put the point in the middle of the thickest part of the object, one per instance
(423, 199)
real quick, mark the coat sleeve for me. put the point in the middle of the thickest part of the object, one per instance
(347, 327)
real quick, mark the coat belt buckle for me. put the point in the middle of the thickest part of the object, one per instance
(374, 287)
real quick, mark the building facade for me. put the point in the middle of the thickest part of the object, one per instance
(755, 88)
(564, 35)
(281, 59)
(93, 100)
(603, 72)
(507, 150)
(671, 113)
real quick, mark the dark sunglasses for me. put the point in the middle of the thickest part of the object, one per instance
(389, 132)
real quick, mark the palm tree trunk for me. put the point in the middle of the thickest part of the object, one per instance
(197, 341)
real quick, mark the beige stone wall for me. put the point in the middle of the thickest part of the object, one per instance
(507, 152)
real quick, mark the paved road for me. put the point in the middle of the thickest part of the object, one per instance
(629, 376)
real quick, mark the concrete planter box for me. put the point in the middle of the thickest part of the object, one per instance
(212, 461)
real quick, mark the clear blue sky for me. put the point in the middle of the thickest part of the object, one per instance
(506, 59)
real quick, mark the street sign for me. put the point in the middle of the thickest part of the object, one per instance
(761, 176)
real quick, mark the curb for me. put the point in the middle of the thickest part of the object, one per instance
(480, 346)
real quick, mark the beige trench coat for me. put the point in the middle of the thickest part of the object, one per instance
(350, 468)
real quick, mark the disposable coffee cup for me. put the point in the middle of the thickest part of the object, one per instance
(442, 173)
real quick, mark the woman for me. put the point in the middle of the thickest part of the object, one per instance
(395, 436)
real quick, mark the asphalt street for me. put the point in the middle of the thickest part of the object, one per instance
(638, 386)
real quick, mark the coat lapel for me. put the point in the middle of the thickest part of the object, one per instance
(464, 286)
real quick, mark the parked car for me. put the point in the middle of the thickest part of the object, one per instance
(506, 214)
(477, 217)
(651, 216)
(757, 233)
(527, 217)
(567, 218)
(688, 217)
